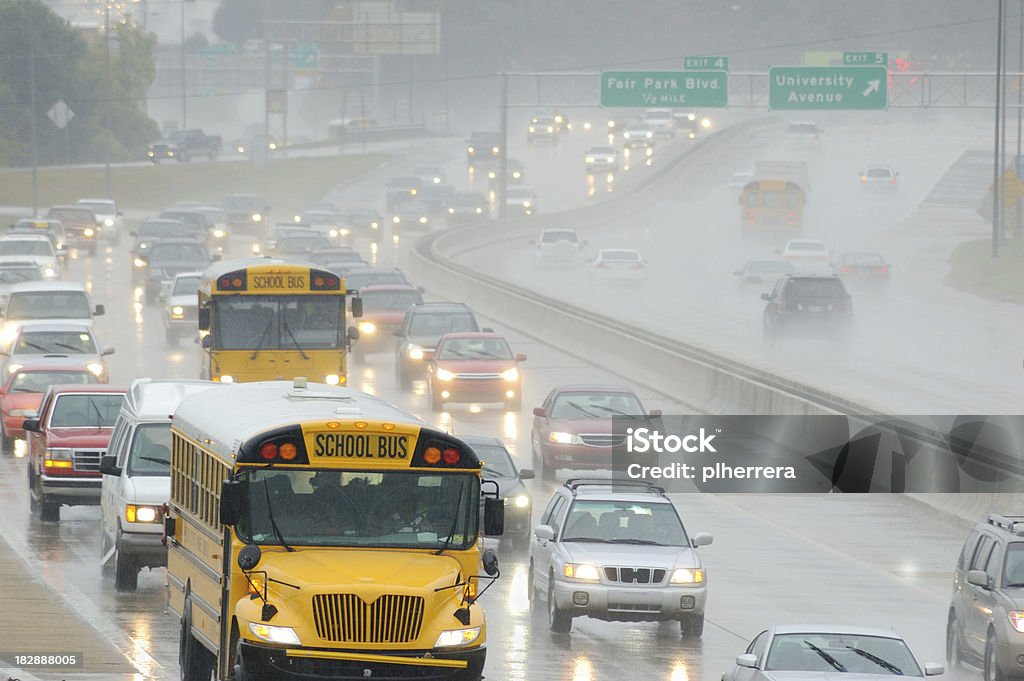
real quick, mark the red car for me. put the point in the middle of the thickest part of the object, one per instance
(474, 367)
(384, 307)
(21, 395)
(573, 429)
(66, 443)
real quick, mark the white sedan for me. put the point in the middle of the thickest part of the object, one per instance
(827, 653)
(619, 264)
(808, 256)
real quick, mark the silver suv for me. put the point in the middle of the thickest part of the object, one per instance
(616, 551)
(986, 614)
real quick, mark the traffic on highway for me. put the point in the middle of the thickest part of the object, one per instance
(260, 422)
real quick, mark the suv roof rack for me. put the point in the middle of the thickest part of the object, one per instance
(1014, 524)
(574, 483)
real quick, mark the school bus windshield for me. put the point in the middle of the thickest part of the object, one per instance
(278, 322)
(401, 509)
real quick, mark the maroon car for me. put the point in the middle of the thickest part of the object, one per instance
(573, 428)
(66, 443)
(21, 395)
(474, 367)
(384, 307)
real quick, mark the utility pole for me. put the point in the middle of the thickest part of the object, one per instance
(32, 104)
(106, 107)
(184, 88)
(996, 193)
(503, 155)
(1020, 101)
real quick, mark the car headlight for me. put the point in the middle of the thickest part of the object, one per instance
(272, 634)
(564, 438)
(495, 150)
(705, 123)
(256, 217)
(170, 153)
(96, 368)
(437, 180)
(582, 571)
(457, 637)
(479, 211)
(89, 231)
(140, 514)
(139, 262)
(108, 222)
(687, 576)
(367, 327)
(510, 374)
(445, 375)
(649, 134)
(491, 175)
(551, 129)
(332, 379)
(49, 273)
(470, 150)
(256, 248)
(149, 153)
(589, 159)
(516, 175)
(412, 192)
(374, 225)
(414, 352)
(272, 146)
(423, 220)
(451, 211)
(58, 458)
(333, 233)
(526, 204)
(519, 501)
(1017, 620)
(241, 149)
(396, 219)
(219, 234)
(177, 312)
(226, 378)
(297, 218)
(650, 152)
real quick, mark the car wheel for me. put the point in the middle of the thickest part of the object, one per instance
(195, 661)
(692, 626)
(992, 672)
(126, 573)
(107, 566)
(7, 443)
(536, 605)
(49, 512)
(33, 502)
(954, 653)
(559, 621)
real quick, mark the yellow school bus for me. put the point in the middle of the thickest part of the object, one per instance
(317, 531)
(263, 319)
(772, 205)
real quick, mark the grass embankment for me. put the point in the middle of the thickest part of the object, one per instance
(974, 270)
(286, 184)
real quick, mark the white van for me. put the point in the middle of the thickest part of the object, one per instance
(50, 301)
(136, 478)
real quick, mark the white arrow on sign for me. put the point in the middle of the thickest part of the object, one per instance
(873, 86)
(61, 114)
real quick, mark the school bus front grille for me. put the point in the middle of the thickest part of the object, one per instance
(347, 618)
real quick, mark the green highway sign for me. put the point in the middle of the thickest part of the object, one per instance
(703, 89)
(865, 59)
(808, 88)
(706, 64)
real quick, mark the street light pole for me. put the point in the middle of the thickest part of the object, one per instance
(184, 90)
(996, 193)
(32, 116)
(107, 105)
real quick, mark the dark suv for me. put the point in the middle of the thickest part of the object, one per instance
(421, 329)
(986, 613)
(815, 303)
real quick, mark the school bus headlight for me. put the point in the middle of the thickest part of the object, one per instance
(415, 352)
(510, 374)
(140, 514)
(332, 379)
(367, 327)
(96, 368)
(227, 379)
(256, 249)
(444, 375)
(177, 312)
(457, 637)
(284, 635)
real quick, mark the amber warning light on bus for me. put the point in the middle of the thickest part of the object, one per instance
(232, 281)
(323, 281)
(283, 445)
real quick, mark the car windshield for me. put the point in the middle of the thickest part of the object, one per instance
(40, 381)
(48, 305)
(278, 322)
(26, 247)
(357, 280)
(166, 252)
(619, 256)
(150, 453)
(602, 150)
(252, 203)
(863, 259)
(390, 300)
(15, 274)
(161, 230)
(188, 218)
(474, 348)
(70, 215)
(552, 237)
(185, 286)
(301, 244)
(213, 214)
(829, 653)
(360, 509)
(590, 405)
(86, 411)
(437, 324)
(497, 461)
(55, 343)
(770, 267)
(1013, 572)
(815, 289)
(883, 173)
(805, 246)
(322, 257)
(99, 207)
(626, 522)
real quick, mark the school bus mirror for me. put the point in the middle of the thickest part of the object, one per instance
(489, 560)
(352, 333)
(108, 465)
(357, 307)
(230, 502)
(30, 425)
(249, 557)
(494, 517)
(204, 318)
(207, 342)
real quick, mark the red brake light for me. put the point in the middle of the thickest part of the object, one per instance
(452, 456)
(269, 451)
(601, 266)
(846, 268)
(882, 268)
(893, 180)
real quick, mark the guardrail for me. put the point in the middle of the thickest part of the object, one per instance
(706, 379)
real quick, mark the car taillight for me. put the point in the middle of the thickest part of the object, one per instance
(882, 269)
(892, 181)
(863, 178)
(846, 268)
(602, 266)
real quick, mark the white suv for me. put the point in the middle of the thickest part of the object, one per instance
(616, 551)
(661, 122)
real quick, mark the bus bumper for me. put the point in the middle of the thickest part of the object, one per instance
(262, 663)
